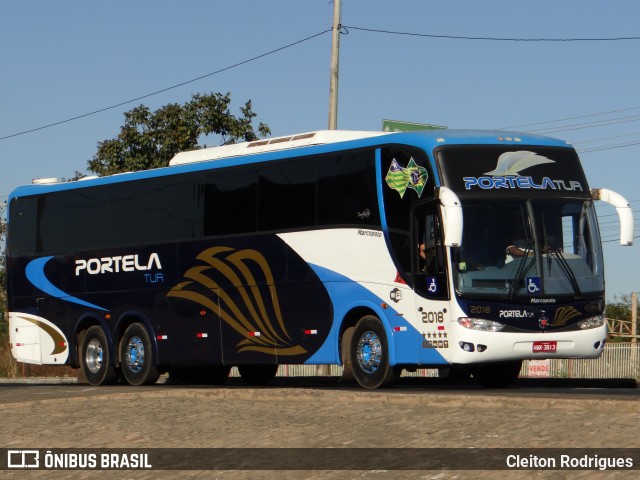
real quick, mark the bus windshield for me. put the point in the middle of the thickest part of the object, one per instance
(529, 248)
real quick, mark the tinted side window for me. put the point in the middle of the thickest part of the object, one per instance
(231, 202)
(129, 211)
(71, 221)
(287, 195)
(347, 190)
(179, 209)
(22, 226)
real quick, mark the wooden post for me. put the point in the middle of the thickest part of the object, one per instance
(335, 62)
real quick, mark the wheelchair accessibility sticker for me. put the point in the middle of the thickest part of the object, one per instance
(534, 285)
(432, 285)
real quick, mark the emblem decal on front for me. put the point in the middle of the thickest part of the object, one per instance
(543, 321)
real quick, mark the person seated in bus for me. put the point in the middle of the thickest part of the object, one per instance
(517, 249)
(519, 246)
(427, 258)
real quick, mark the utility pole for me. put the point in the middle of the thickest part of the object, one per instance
(325, 370)
(335, 61)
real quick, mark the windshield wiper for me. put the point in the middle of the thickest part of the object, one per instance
(564, 266)
(522, 270)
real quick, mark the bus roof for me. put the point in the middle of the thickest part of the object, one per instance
(300, 144)
(320, 137)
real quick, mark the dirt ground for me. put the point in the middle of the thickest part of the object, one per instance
(190, 417)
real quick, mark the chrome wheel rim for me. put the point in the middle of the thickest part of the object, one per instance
(134, 354)
(369, 352)
(94, 356)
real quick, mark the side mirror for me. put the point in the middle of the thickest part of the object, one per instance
(624, 212)
(451, 216)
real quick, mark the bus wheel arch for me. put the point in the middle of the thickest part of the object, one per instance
(349, 321)
(366, 345)
(347, 327)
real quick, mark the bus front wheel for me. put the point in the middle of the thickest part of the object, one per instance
(136, 356)
(369, 353)
(95, 359)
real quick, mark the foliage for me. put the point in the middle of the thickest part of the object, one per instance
(150, 139)
(619, 309)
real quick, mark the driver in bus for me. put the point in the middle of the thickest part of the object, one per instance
(519, 246)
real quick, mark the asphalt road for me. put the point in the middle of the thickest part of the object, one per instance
(29, 389)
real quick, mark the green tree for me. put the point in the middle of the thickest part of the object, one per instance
(150, 139)
(619, 309)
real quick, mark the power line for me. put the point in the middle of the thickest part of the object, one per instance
(605, 138)
(571, 118)
(494, 39)
(244, 62)
(608, 147)
(581, 126)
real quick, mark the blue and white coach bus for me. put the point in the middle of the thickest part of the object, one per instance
(460, 250)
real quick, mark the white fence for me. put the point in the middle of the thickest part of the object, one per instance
(619, 360)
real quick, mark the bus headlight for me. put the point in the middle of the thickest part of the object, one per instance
(592, 322)
(480, 324)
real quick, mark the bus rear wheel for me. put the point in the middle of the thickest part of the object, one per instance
(369, 353)
(136, 356)
(497, 375)
(95, 359)
(257, 375)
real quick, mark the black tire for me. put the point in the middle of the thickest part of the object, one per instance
(497, 375)
(136, 356)
(257, 375)
(95, 358)
(209, 375)
(369, 353)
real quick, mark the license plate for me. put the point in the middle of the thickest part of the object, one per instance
(549, 347)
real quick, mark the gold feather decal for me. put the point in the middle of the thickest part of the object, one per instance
(564, 314)
(238, 285)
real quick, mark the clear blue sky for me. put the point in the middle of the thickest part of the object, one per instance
(68, 58)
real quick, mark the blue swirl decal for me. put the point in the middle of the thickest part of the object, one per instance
(35, 274)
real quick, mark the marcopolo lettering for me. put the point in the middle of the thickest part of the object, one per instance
(121, 263)
(369, 233)
(520, 182)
